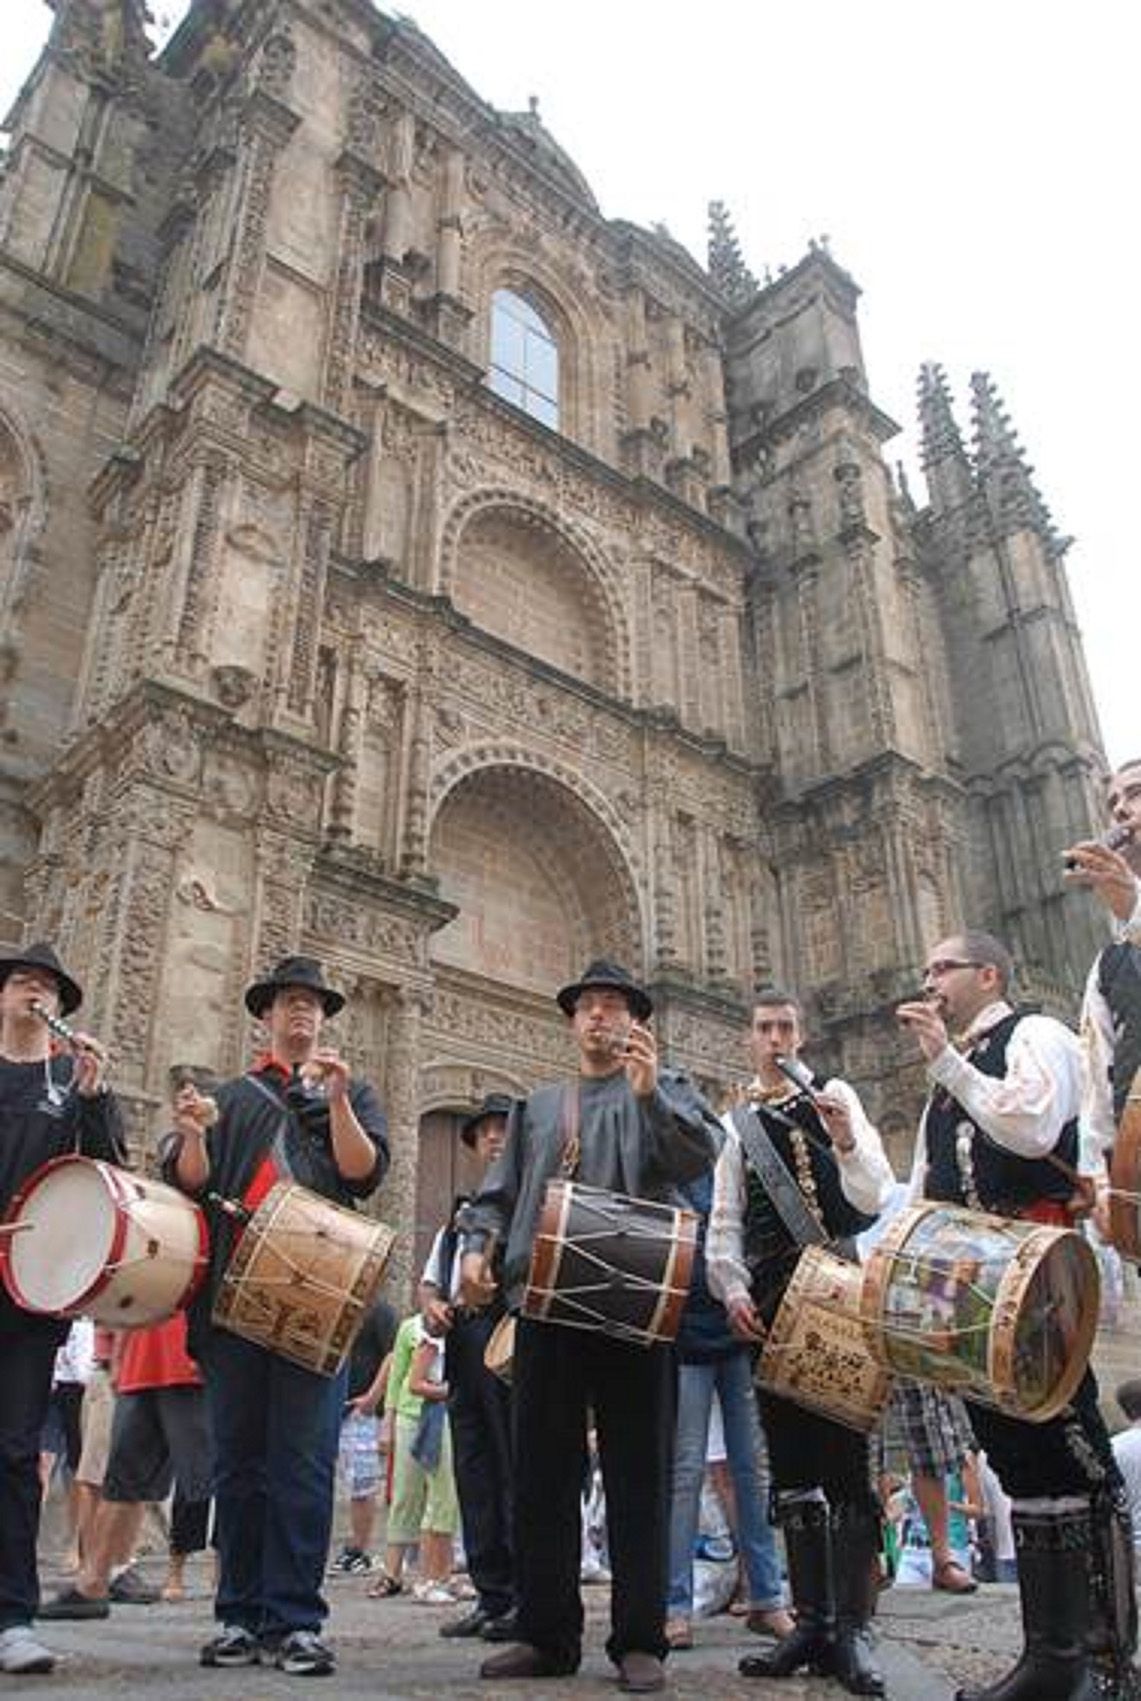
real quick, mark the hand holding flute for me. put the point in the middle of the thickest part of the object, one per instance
(90, 1056)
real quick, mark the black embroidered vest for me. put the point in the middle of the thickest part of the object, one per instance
(770, 1250)
(1119, 982)
(1004, 1182)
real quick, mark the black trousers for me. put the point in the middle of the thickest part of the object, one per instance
(808, 1450)
(479, 1408)
(559, 1374)
(27, 1358)
(1069, 1454)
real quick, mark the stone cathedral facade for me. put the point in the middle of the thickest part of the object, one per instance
(403, 563)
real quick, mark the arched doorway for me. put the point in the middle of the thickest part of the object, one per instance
(542, 885)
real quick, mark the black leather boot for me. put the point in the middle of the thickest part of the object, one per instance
(1054, 1583)
(855, 1546)
(808, 1544)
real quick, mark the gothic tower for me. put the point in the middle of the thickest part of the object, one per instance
(1020, 731)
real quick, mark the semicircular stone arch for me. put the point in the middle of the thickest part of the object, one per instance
(541, 880)
(518, 572)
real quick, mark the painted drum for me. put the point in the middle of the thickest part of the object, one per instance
(997, 1309)
(302, 1277)
(817, 1353)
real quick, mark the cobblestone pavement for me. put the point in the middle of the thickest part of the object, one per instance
(928, 1643)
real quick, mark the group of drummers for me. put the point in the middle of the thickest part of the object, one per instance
(573, 1261)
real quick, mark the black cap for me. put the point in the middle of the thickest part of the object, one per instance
(41, 956)
(604, 973)
(494, 1104)
(293, 971)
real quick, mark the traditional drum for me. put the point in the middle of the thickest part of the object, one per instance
(302, 1276)
(96, 1241)
(1000, 1310)
(1125, 1178)
(816, 1353)
(603, 1261)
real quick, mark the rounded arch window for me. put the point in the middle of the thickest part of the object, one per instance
(524, 364)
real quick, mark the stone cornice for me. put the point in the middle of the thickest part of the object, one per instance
(353, 872)
(58, 313)
(834, 392)
(101, 745)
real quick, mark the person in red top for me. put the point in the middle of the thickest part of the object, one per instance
(296, 1115)
(159, 1437)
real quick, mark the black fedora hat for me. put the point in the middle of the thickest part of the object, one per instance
(494, 1104)
(293, 971)
(604, 973)
(41, 956)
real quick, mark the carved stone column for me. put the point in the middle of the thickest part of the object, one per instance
(446, 315)
(342, 801)
(283, 868)
(807, 576)
(311, 570)
(406, 1013)
(267, 126)
(665, 895)
(689, 656)
(204, 501)
(360, 187)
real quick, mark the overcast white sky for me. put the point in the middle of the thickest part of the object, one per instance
(974, 166)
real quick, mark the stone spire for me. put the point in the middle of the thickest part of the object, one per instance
(944, 458)
(731, 277)
(101, 37)
(1001, 468)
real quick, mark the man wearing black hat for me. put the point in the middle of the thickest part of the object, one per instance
(636, 1129)
(296, 1115)
(49, 1105)
(479, 1409)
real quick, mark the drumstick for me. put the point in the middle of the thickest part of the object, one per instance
(16, 1228)
(232, 1207)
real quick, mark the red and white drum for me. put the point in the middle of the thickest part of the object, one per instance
(88, 1239)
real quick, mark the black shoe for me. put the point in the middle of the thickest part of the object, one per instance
(641, 1674)
(504, 1628)
(525, 1660)
(71, 1603)
(472, 1623)
(233, 1646)
(303, 1654)
(131, 1589)
(854, 1662)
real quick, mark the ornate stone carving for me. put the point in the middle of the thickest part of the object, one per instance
(235, 685)
(277, 64)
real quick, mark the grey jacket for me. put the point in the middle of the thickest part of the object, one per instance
(640, 1147)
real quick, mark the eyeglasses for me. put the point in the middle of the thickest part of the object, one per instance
(945, 965)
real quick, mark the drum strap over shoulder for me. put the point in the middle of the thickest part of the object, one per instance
(778, 1183)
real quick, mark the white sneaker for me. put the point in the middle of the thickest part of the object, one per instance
(429, 1593)
(21, 1653)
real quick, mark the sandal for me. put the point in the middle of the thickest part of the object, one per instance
(950, 1576)
(771, 1621)
(384, 1588)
